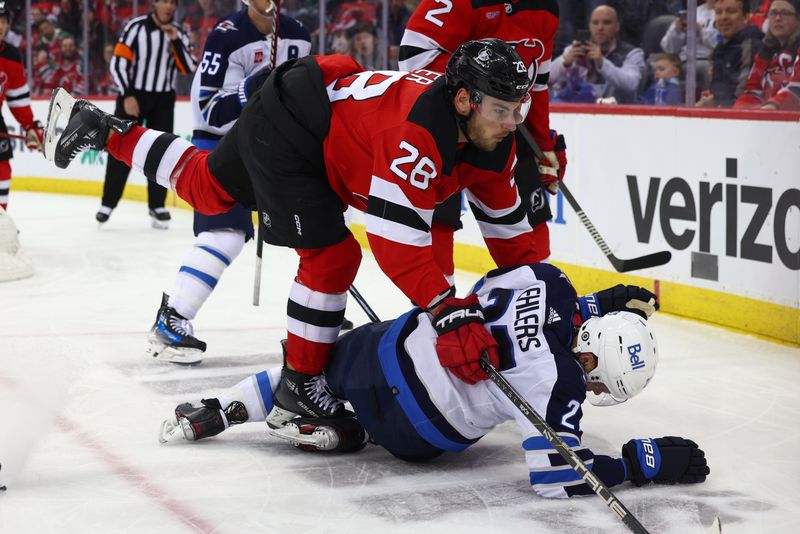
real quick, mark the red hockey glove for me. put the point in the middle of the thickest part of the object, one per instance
(463, 339)
(34, 135)
(554, 164)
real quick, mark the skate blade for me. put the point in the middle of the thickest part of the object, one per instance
(164, 353)
(60, 103)
(278, 417)
(323, 439)
(159, 225)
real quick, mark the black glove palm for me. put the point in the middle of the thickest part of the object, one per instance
(667, 460)
(627, 298)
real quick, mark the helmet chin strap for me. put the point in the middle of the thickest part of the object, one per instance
(462, 121)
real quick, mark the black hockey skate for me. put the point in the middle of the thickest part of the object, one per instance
(159, 218)
(103, 214)
(192, 422)
(347, 324)
(302, 395)
(86, 128)
(326, 434)
(172, 338)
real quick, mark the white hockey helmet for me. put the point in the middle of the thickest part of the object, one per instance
(268, 12)
(627, 355)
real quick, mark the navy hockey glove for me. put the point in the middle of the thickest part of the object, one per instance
(462, 339)
(619, 298)
(250, 85)
(667, 460)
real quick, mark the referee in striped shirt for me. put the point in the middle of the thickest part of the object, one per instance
(150, 53)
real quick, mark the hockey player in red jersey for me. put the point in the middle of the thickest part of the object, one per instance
(14, 88)
(321, 134)
(434, 31)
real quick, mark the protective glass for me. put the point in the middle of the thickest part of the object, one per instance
(502, 111)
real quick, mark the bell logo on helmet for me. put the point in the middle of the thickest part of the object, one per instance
(634, 351)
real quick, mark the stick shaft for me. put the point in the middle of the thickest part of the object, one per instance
(592, 480)
(273, 59)
(632, 264)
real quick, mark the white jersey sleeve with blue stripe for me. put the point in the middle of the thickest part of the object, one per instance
(235, 50)
(529, 310)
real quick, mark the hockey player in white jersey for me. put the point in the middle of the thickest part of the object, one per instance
(554, 348)
(235, 62)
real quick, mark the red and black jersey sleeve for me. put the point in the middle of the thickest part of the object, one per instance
(789, 95)
(538, 119)
(16, 87)
(434, 31)
(495, 202)
(402, 196)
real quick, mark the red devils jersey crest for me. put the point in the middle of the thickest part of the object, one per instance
(531, 51)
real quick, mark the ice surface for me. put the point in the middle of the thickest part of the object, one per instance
(82, 405)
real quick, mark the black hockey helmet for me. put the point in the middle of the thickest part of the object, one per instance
(489, 67)
(4, 10)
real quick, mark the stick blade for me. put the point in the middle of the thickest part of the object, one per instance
(642, 262)
(716, 527)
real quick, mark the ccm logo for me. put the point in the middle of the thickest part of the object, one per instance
(633, 351)
(459, 314)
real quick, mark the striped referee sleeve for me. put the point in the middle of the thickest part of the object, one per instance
(184, 60)
(124, 54)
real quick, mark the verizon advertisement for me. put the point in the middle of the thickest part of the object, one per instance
(721, 194)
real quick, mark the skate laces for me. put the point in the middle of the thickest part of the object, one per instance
(319, 392)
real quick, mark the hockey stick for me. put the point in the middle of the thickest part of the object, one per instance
(591, 480)
(544, 429)
(260, 245)
(622, 266)
(363, 303)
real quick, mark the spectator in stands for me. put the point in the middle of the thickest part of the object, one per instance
(99, 35)
(758, 17)
(43, 68)
(732, 58)
(37, 16)
(50, 36)
(666, 87)
(340, 43)
(603, 67)
(69, 73)
(69, 18)
(104, 82)
(674, 41)
(364, 49)
(398, 18)
(774, 81)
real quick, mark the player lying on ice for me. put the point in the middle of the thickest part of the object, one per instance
(553, 347)
(322, 133)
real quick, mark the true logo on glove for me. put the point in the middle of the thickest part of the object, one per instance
(634, 351)
(459, 314)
